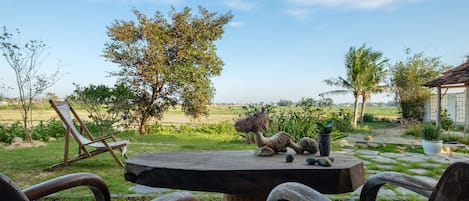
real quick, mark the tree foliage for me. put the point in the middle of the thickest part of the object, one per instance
(364, 71)
(167, 63)
(25, 60)
(407, 77)
(105, 105)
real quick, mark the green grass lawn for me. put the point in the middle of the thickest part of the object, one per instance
(25, 165)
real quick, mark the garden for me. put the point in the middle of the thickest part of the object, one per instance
(25, 165)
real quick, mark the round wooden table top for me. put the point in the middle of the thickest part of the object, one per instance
(241, 172)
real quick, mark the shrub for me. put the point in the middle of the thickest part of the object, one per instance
(55, 128)
(367, 117)
(430, 132)
(40, 132)
(413, 130)
(446, 123)
(342, 120)
(7, 133)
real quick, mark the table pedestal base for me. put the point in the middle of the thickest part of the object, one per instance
(246, 197)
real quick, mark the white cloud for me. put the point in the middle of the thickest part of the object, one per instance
(300, 13)
(241, 4)
(236, 24)
(304, 8)
(356, 4)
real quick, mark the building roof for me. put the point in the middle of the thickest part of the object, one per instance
(453, 76)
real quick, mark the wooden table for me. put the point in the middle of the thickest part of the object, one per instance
(240, 174)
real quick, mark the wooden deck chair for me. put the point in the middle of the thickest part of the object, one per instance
(107, 143)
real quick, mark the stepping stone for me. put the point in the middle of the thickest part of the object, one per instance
(419, 171)
(386, 192)
(384, 167)
(392, 155)
(380, 159)
(147, 189)
(367, 152)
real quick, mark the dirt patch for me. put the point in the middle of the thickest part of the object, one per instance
(34, 143)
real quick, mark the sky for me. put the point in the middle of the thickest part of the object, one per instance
(272, 49)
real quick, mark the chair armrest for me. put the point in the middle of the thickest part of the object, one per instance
(295, 191)
(374, 183)
(94, 182)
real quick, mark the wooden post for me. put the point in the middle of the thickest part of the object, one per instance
(438, 106)
(466, 109)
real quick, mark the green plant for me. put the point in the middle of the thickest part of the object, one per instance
(413, 130)
(367, 117)
(324, 127)
(40, 132)
(430, 132)
(7, 133)
(446, 123)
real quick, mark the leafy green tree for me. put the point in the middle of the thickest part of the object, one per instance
(105, 105)
(358, 64)
(284, 103)
(407, 77)
(25, 60)
(167, 63)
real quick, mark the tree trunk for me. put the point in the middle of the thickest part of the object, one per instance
(362, 112)
(142, 126)
(355, 111)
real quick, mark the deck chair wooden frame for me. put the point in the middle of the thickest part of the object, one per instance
(107, 143)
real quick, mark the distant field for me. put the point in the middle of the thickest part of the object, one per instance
(217, 114)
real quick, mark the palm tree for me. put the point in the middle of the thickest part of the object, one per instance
(362, 76)
(374, 74)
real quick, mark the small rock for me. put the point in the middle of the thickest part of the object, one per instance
(311, 161)
(289, 158)
(264, 152)
(309, 145)
(324, 162)
(373, 145)
(368, 138)
(16, 140)
(361, 146)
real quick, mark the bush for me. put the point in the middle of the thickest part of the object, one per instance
(342, 120)
(40, 132)
(446, 123)
(430, 132)
(7, 133)
(367, 117)
(55, 128)
(413, 130)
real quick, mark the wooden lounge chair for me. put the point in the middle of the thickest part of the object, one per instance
(107, 143)
(452, 186)
(10, 191)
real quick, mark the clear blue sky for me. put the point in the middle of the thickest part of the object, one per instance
(272, 49)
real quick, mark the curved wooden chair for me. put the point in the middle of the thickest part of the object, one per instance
(9, 190)
(103, 144)
(453, 184)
